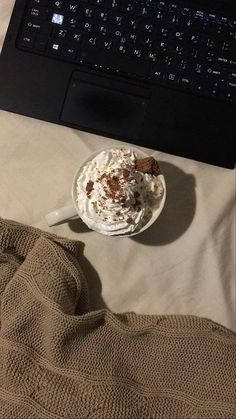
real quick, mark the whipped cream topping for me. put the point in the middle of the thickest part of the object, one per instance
(113, 197)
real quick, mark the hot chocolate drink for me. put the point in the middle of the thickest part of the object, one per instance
(118, 191)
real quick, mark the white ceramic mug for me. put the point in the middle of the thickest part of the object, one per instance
(66, 213)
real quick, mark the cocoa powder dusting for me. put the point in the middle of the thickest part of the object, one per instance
(113, 187)
(113, 183)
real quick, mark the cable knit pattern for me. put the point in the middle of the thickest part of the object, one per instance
(58, 359)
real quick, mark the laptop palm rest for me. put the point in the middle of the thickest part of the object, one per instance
(105, 105)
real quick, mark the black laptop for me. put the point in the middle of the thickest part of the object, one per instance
(159, 74)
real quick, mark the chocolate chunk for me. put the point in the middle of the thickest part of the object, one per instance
(89, 187)
(147, 165)
(129, 220)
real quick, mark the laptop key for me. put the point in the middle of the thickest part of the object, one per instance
(85, 26)
(91, 40)
(72, 22)
(57, 5)
(71, 7)
(57, 19)
(151, 56)
(171, 78)
(185, 82)
(102, 16)
(114, 4)
(33, 25)
(40, 44)
(37, 3)
(55, 47)
(60, 33)
(156, 73)
(116, 19)
(117, 62)
(106, 43)
(137, 53)
(97, 2)
(27, 39)
(70, 51)
(89, 12)
(120, 47)
(75, 36)
(39, 12)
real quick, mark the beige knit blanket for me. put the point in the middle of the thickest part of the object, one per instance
(58, 359)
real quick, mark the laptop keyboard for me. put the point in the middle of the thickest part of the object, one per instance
(172, 44)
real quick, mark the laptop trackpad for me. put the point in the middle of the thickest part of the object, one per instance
(105, 105)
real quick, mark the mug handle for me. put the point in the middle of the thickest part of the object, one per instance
(59, 215)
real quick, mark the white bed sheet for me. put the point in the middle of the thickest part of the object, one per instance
(184, 264)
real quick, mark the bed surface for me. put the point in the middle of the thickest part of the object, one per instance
(184, 264)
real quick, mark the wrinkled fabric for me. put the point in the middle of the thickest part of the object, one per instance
(59, 359)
